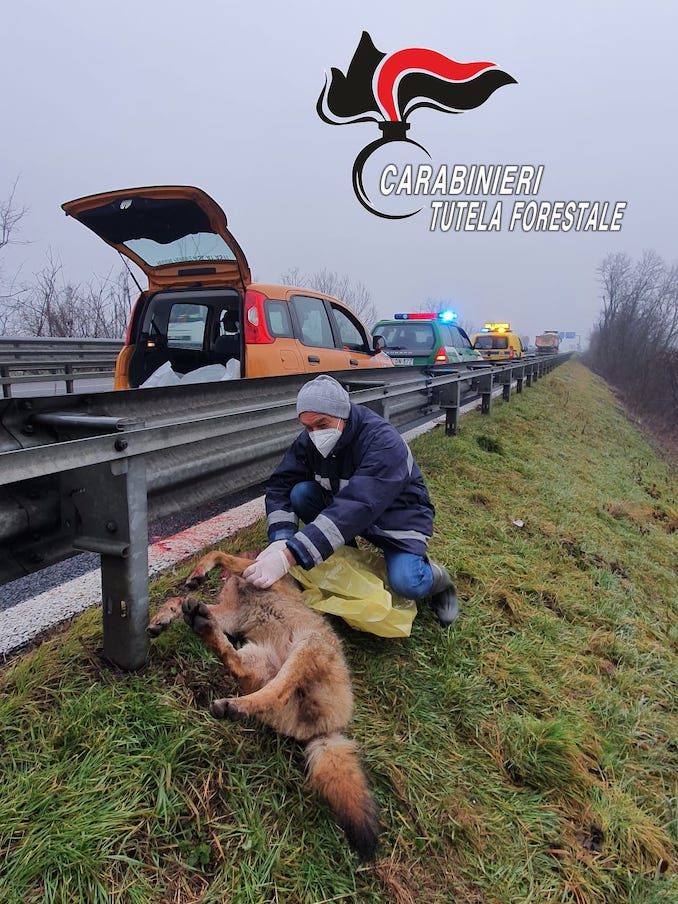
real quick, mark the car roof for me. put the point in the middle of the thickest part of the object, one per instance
(497, 333)
(276, 288)
(277, 292)
(418, 322)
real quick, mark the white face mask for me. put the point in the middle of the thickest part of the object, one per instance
(325, 440)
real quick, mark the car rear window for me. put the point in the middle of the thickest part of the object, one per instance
(186, 326)
(278, 317)
(202, 246)
(491, 342)
(410, 336)
(456, 339)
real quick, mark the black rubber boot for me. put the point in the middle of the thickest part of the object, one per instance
(444, 600)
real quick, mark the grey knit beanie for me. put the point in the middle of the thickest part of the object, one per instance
(325, 396)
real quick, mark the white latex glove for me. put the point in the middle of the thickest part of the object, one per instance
(276, 544)
(267, 569)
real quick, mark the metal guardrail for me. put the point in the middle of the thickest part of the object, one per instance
(84, 472)
(42, 360)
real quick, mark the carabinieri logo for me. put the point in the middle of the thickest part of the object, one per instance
(388, 88)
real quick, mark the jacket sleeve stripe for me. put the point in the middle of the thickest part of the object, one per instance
(281, 516)
(327, 527)
(310, 547)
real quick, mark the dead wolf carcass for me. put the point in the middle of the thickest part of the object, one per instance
(293, 677)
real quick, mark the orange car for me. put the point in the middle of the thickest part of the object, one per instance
(201, 307)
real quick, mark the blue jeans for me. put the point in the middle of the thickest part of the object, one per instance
(409, 575)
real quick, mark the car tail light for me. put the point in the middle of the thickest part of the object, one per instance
(441, 356)
(256, 331)
(512, 353)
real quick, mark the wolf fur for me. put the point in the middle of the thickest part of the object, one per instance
(293, 677)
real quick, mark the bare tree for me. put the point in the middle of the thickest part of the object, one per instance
(435, 305)
(354, 294)
(635, 343)
(107, 306)
(121, 293)
(11, 215)
(51, 306)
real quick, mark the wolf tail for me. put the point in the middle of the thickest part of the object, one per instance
(334, 771)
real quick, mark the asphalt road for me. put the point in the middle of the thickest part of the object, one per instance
(31, 585)
(58, 387)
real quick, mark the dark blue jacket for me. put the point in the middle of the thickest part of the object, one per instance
(378, 492)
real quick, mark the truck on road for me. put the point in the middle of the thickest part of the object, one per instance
(547, 343)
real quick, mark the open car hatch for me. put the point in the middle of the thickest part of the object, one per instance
(175, 233)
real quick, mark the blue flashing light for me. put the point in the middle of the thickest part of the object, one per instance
(447, 316)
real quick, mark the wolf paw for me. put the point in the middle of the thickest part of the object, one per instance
(164, 617)
(194, 580)
(226, 709)
(197, 615)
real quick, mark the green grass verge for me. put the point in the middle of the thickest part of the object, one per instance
(527, 755)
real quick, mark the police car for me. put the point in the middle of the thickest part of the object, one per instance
(425, 338)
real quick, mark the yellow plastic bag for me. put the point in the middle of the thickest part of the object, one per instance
(351, 584)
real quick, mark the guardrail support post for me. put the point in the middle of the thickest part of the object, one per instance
(451, 403)
(529, 376)
(506, 385)
(520, 375)
(6, 387)
(68, 369)
(485, 387)
(106, 508)
(384, 408)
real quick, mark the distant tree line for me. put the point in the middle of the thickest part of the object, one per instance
(635, 342)
(48, 305)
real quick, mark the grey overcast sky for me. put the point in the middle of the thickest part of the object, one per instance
(222, 95)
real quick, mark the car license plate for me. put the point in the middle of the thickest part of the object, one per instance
(403, 362)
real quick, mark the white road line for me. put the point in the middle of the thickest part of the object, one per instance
(25, 621)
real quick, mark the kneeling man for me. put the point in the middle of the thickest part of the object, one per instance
(349, 474)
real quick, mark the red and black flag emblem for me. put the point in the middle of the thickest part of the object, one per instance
(387, 88)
